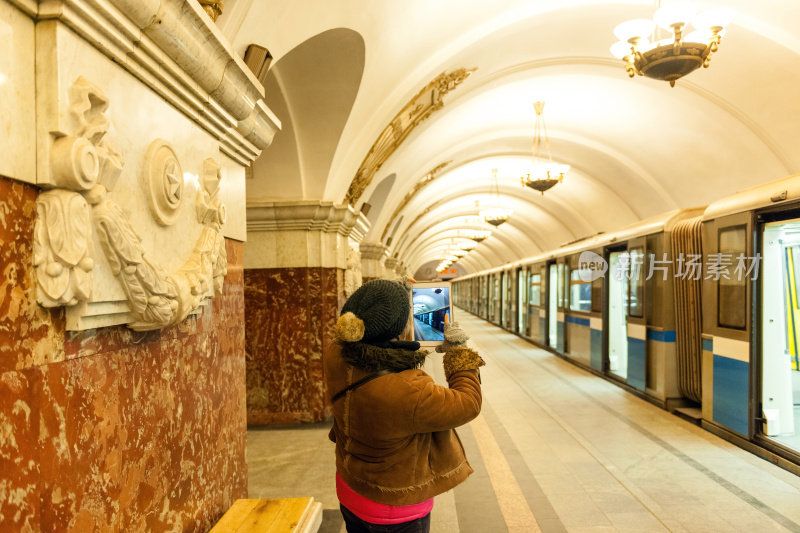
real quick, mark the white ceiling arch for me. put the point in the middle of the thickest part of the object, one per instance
(568, 202)
(637, 147)
(441, 237)
(537, 228)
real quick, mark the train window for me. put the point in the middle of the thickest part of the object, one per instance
(562, 296)
(580, 291)
(535, 290)
(732, 291)
(636, 285)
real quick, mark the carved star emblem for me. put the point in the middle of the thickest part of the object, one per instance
(173, 184)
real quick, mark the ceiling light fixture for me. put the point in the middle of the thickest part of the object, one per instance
(496, 215)
(545, 174)
(479, 236)
(646, 53)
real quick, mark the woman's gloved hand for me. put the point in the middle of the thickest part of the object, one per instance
(457, 356)
(453, 336)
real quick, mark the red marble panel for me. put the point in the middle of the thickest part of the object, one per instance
(132, 431)
(19, 460)
(81, 442)
(289, 313)
(29, 334)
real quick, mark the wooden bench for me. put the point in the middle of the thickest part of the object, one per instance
(289, 515)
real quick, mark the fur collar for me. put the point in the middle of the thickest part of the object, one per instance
(371, 358)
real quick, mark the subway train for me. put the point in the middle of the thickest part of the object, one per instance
(695, 310)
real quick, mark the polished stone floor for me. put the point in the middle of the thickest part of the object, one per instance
(558, 449)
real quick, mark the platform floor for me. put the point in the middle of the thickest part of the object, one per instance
(559, 449)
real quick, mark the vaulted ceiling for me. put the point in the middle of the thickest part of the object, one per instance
(637, 147)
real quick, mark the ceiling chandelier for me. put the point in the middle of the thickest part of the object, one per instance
(479, 236)
(544, 174)
(496, 215)
(646, 53)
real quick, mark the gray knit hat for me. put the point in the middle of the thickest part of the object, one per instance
(377, 312)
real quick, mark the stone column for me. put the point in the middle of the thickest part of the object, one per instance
(295, 261)
(389, 266)
(372, 260)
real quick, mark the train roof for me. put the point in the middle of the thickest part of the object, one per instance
(775, 192)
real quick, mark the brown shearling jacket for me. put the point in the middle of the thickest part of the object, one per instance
(395, 437)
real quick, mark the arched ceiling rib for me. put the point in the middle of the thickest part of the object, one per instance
(637, 147)
(441, 237)
(567, 202)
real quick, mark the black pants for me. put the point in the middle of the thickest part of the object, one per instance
(356, 525)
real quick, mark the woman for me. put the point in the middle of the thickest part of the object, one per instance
(396, 447)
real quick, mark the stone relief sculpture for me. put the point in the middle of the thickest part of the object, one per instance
(62, 254)
(352, 275)
(86, 168)
(427, 101)
(213, 8)
(163, 182)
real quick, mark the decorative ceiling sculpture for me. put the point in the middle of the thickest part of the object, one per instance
(71, 217)
(428, 100)
(213, 8)
(426, 179)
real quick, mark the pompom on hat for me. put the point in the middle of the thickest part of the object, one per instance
(376, 313)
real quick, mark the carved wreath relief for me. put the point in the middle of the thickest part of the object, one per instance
(85, 168)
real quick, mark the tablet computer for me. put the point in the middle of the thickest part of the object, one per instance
(432, 307)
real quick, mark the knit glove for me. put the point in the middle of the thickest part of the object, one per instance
(457, 356)
(453, 336)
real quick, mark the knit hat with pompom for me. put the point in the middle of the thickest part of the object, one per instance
(376, 313)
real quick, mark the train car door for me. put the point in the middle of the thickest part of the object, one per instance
(617, 313)
(495, 312)
(503, 300)
(637, 323)
(780, 328)
(728, 381)
(522, 301)
(552, 305)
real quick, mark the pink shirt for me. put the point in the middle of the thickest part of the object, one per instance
(379, 513)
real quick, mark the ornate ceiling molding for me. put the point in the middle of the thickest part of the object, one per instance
(213, 8)
(427, 101)
(426, 179)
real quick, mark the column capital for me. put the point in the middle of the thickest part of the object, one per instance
(372, 251)
(301, 234)
(326, 217)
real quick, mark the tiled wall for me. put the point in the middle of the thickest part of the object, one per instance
(289, 317)
(111, 429)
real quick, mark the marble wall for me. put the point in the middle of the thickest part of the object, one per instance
(289, 318)
(111, 429)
